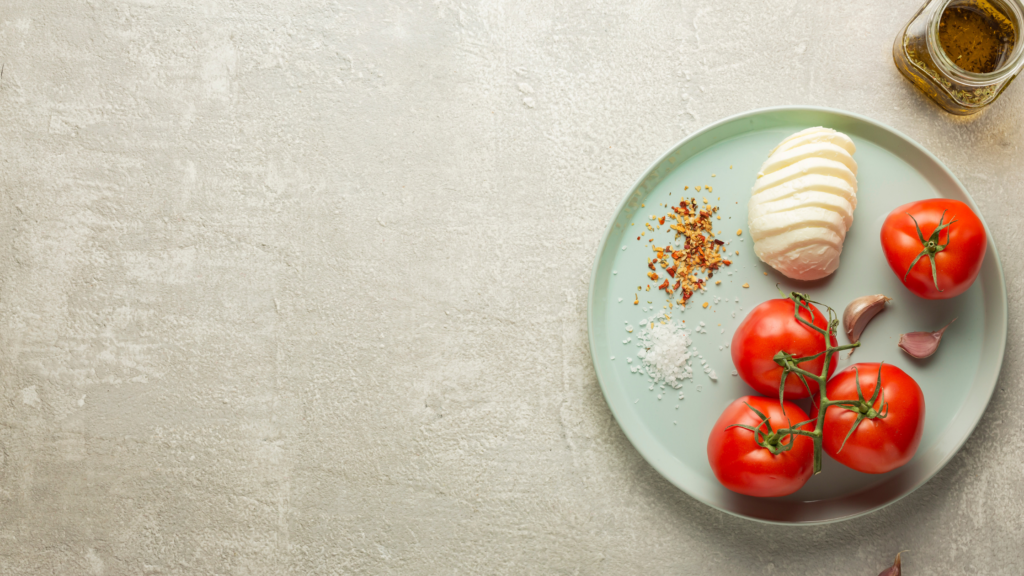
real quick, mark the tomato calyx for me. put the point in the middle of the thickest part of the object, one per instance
(788, 362)
(931, 247)
(789, 365)
(772, 440)
(865, 409)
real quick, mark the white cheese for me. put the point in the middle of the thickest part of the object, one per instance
(802, 203)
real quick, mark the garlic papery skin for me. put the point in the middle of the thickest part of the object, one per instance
(895, 570)
(859, 312)
(922, 344)
(802, 204)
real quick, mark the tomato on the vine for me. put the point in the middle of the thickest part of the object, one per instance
(761, 464)
(935, 246)
(886, 426)
(770, 328)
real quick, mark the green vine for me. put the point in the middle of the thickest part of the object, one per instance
(773, 440)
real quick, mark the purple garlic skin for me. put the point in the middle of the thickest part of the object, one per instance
(922, 344)
(859, 312)
(894, 570)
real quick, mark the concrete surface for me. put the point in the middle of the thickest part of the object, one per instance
(300, 287)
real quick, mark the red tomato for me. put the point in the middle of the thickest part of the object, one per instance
(877, 445)
(958, 248)
(770, 328)
(743, 466)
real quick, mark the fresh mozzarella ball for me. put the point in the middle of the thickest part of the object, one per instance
(802, 203)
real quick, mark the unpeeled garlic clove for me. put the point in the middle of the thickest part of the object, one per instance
(922, 344)
(895, 570)
(859, 312)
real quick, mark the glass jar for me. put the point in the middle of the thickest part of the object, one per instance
(922, 59)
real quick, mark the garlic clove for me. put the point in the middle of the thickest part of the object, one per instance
(859, 312)
(922, 344)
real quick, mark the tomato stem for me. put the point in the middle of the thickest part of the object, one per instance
(931, 247)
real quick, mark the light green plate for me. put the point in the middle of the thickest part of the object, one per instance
(672, 433)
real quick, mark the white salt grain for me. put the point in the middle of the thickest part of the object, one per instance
(667, 353)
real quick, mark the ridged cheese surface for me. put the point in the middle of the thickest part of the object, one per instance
(802, 203)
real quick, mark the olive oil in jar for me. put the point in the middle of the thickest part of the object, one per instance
(962, 53)
(977, 35)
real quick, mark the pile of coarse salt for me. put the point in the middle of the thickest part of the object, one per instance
(666, 351)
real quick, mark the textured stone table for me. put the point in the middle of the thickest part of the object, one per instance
(300, 287)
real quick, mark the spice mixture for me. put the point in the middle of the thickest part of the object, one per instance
(686, 264)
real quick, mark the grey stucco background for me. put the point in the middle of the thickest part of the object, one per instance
(300, 287)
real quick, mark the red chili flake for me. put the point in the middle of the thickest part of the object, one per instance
(687, 294)
(718, 242)
(677, 254)
(661, 220)
(663, 285)
(650, 264)
(671, 271)
(727, 262)
(637, 237)
(677, 285)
